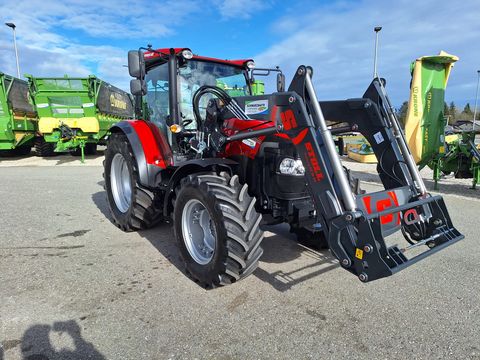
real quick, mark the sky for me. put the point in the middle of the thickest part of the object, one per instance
(336, 38)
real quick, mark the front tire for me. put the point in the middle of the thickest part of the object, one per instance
(217, 229)
(132, 206)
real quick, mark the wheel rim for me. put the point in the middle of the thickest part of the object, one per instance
(198, 232)
(121, 184)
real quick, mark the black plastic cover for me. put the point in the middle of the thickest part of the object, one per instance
(18, 96)
(114, 101)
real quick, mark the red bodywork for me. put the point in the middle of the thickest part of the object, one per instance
(149, 55)
(248, 147)
(155, 146)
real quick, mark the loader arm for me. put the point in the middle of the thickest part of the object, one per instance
(356, 226)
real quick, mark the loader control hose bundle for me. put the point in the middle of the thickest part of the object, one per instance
(230, 103)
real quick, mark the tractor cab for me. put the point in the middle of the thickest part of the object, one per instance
(172, 76)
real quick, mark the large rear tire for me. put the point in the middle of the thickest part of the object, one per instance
(132, 206)
(43, 148)
(217, 229)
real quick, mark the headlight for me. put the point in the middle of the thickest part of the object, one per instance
(175, 128)
(250, 65)
(290, 166)
(187, 54)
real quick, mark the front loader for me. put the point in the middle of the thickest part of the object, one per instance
(219, 167)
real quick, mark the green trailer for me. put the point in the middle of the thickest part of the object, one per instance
(18, 118)
(75, 114)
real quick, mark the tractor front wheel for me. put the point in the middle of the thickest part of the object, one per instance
(217, 229)
(131, 205)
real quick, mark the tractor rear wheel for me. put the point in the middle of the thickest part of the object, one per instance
(43, 148)
(217, 229)
(132, 206)
(309, 237)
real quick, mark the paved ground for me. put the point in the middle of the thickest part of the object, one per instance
(74, 286)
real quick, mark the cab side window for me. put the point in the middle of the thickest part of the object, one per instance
(156, 102)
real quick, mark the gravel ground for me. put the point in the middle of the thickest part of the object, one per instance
(73, 286)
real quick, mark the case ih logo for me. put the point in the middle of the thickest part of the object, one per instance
(288, 120)
(315, 168)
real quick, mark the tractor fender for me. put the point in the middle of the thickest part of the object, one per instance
(191, 167)
(150, 149)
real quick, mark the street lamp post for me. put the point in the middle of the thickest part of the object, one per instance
(377, 30)
(476, 98)
(12, 26)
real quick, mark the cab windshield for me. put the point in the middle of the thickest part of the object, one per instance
(191, 77)
(199, 73)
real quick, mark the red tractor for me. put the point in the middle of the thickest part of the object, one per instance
(219, 162)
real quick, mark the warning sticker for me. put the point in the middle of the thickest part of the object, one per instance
(359, 254)
(378, 137)
(256, 107)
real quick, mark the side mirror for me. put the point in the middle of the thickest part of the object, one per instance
(138, 87)
(136, 64)
(280, 82)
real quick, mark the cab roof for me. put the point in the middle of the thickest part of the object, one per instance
(151, 55)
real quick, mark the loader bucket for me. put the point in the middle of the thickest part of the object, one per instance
(370, 258)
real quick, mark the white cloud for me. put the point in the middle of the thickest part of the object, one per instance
(240, 9)
(46, 50)
(338, 41)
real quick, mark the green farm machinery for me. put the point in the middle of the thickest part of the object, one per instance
(426, 121)
(18, 118)
(74, 114)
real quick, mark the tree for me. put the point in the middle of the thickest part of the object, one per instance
(466, 114)
(452, 112)
(402, 113)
